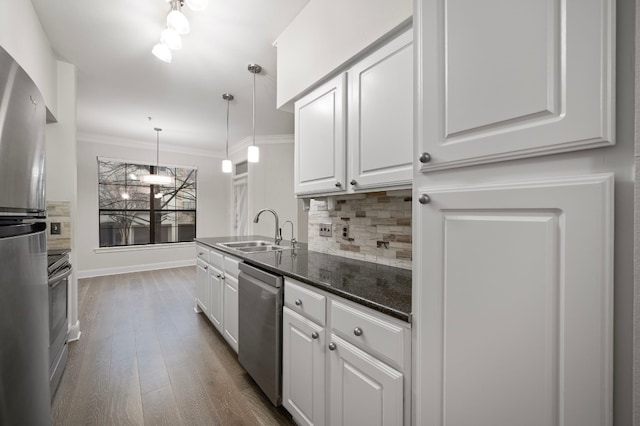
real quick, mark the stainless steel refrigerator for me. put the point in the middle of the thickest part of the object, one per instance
(24, 311)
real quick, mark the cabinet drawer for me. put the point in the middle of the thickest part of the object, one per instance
(231, 266)
(369, 332)
(306, 302)
(216, 259)
(202, 253)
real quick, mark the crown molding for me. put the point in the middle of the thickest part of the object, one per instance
(244, 143)
(150, 146)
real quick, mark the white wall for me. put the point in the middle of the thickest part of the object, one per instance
(328, 33)
(61, 168)
(271, 186)
(212, 193)
(23, 37)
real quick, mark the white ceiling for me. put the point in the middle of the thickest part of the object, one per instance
(120, 83)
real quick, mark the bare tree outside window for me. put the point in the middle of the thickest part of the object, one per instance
(133, 213)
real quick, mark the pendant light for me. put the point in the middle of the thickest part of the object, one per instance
(176, 19)
(253, 153)
(157, 178)
(227, 166)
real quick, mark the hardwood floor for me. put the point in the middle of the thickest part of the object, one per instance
(145, 357)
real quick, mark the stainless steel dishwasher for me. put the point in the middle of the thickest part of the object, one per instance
(260, 328)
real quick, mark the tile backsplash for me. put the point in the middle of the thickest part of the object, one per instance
(59, 212)
(379, 227)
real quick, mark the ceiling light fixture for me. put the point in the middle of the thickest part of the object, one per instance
(177, 24)
(253, 153)
(156, 178)
(227, 166)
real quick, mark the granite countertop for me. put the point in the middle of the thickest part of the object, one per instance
(384, 288)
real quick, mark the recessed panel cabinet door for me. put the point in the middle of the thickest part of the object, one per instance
(362, 389)
(320, 126)
(513, 79)
(516, 302)
(231, 311)
(380, 136)
(202, 286)
(216, 288)
(303, 369)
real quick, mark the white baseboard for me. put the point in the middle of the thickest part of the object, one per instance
(134, 268)
(74, 332)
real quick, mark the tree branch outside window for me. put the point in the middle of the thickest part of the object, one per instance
(133, 213)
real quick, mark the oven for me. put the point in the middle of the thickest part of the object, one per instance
(59, 272)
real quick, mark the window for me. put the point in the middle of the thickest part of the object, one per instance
(134, 213)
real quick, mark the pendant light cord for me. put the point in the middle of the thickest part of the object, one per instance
(254, 108)
(227, 144)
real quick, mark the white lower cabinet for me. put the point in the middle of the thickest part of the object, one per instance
(303, 361)
(362, 389)
(217, 291)
(231, 311)
(216, 287)
(202, 287)
(344, 376)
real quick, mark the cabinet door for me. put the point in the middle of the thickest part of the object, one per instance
(516, 303)
(216, 289)
(380, 136)
(320, 139)
(362, 389)
(202, 287)
(303, 369)
(505, 80)
(231, 311)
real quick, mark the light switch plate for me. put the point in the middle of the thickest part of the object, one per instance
(55, 228)
(325, 229)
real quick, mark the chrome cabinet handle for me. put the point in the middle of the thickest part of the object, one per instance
(332, 346)
(425, 157)
(357, 331)
(353, 182)
(315, 335)
(298, 302)
(424, 199)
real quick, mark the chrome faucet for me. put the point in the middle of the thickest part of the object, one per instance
(293, 240)
(277, 237)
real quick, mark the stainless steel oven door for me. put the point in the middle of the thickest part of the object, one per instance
(58, 322)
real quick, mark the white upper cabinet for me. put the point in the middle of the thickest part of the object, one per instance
(380, 135)
(518, 304)
(320, 139)
(513, 79)
(377, 98)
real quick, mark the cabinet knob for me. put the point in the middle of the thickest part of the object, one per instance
(338, 184)
(298, 302)
(219, 276)
(424, 199)
(206, 267)
(425, 157)
(315, 335)
(332, 346)
(199, 253)
(357, 331)
(353, 182)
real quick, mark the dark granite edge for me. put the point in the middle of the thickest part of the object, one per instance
(404, 316)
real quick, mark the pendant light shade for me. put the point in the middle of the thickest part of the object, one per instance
(253, 153)
(197, 5)
(227, 166)
(177, 21)
(171, 39)
(157, 178)
(162, 52)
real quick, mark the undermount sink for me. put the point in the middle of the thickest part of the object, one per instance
(252, 246)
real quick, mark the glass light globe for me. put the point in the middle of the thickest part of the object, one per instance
(178, 22)
(197, 4)
(162, 52)
(253, 154)
(227, 166)
(171, 39)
